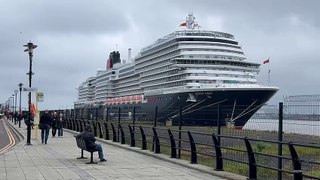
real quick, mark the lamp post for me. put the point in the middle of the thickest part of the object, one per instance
(15, 106)
(20, 89)
(7, 105)
(30, 46)
(12, 105)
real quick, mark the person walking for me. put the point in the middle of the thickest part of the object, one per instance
(60, 125)
(89, 139)
(44, 124)
(20, 117)
(54, 124)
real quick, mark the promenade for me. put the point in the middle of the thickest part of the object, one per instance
(58, 160)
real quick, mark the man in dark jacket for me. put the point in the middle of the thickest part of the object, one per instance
(44, 125)
(90, 140)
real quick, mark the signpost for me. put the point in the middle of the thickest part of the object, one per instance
(30, 89)
(39, 98)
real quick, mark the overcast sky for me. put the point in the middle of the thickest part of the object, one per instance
(75, 37)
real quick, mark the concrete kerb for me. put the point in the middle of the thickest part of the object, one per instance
(15, 131)
(18, 136)
(199, 167)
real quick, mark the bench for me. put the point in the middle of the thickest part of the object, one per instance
(82, 145)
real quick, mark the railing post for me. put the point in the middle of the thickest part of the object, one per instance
(132, 140)
(100, 129)
(156, 141)
(123, 140)
(193, 149)
(78, 125)
(144, 140)
(119, 116)
(81, 125)
(114, 134)
(134, 119)
(218, 123)
(106, 131)
(173, 145)
(154, 125)
(297, 171)
(252, 161)
(179, 134)
(73, 124)
(79, 122)
(67, 123)
(107, 115)
(280, 135)
(97, 114)
(70, 127)
(94, 128)
(219, 161)
(155, 117)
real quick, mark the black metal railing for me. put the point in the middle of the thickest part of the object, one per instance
(253, 157)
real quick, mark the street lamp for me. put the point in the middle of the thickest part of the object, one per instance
(30, 46)
(20, 89)
(15, 106)
(12, 107)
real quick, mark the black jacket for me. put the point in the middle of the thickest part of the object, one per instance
(45, 119)
(89, 138)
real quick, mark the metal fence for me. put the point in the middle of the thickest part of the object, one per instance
(257, 150)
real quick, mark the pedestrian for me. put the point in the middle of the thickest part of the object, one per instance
(54, 124)
(60, 125)
(20, 117)
(89, 139)
(44, 124)
(15, 116)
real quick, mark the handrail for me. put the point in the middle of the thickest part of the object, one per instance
(107, 136)
(194, 159)
(191, 142)
(114, 134)
(156, 141)
(143, 141)
(219, 161)
(123, 140)
(252, 160)
(173, 145)
(132, 137)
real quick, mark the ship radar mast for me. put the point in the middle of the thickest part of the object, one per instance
(190, 22)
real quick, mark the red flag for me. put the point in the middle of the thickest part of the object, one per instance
(183, 24)
(33, 110)
(266, 61)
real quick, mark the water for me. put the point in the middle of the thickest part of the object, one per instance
(289, 126)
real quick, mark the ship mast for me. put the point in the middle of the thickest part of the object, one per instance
(190, 22)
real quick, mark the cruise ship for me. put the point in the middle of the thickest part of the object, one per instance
(202, 74)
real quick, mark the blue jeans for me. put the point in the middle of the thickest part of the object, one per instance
(60, 131)
(45, 133)
(100, 151)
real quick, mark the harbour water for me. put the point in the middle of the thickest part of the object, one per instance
(289, 126)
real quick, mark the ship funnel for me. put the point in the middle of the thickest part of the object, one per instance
(129, 55)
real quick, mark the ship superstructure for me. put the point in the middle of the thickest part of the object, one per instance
(196, 69)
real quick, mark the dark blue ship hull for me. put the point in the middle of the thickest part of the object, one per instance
(199, 108)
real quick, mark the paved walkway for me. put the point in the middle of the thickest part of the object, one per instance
(58, 160)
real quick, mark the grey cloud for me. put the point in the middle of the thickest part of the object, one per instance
(74, 38)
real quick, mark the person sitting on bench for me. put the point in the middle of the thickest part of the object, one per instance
(89, 139)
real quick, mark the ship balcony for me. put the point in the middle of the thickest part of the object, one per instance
(193, 85)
